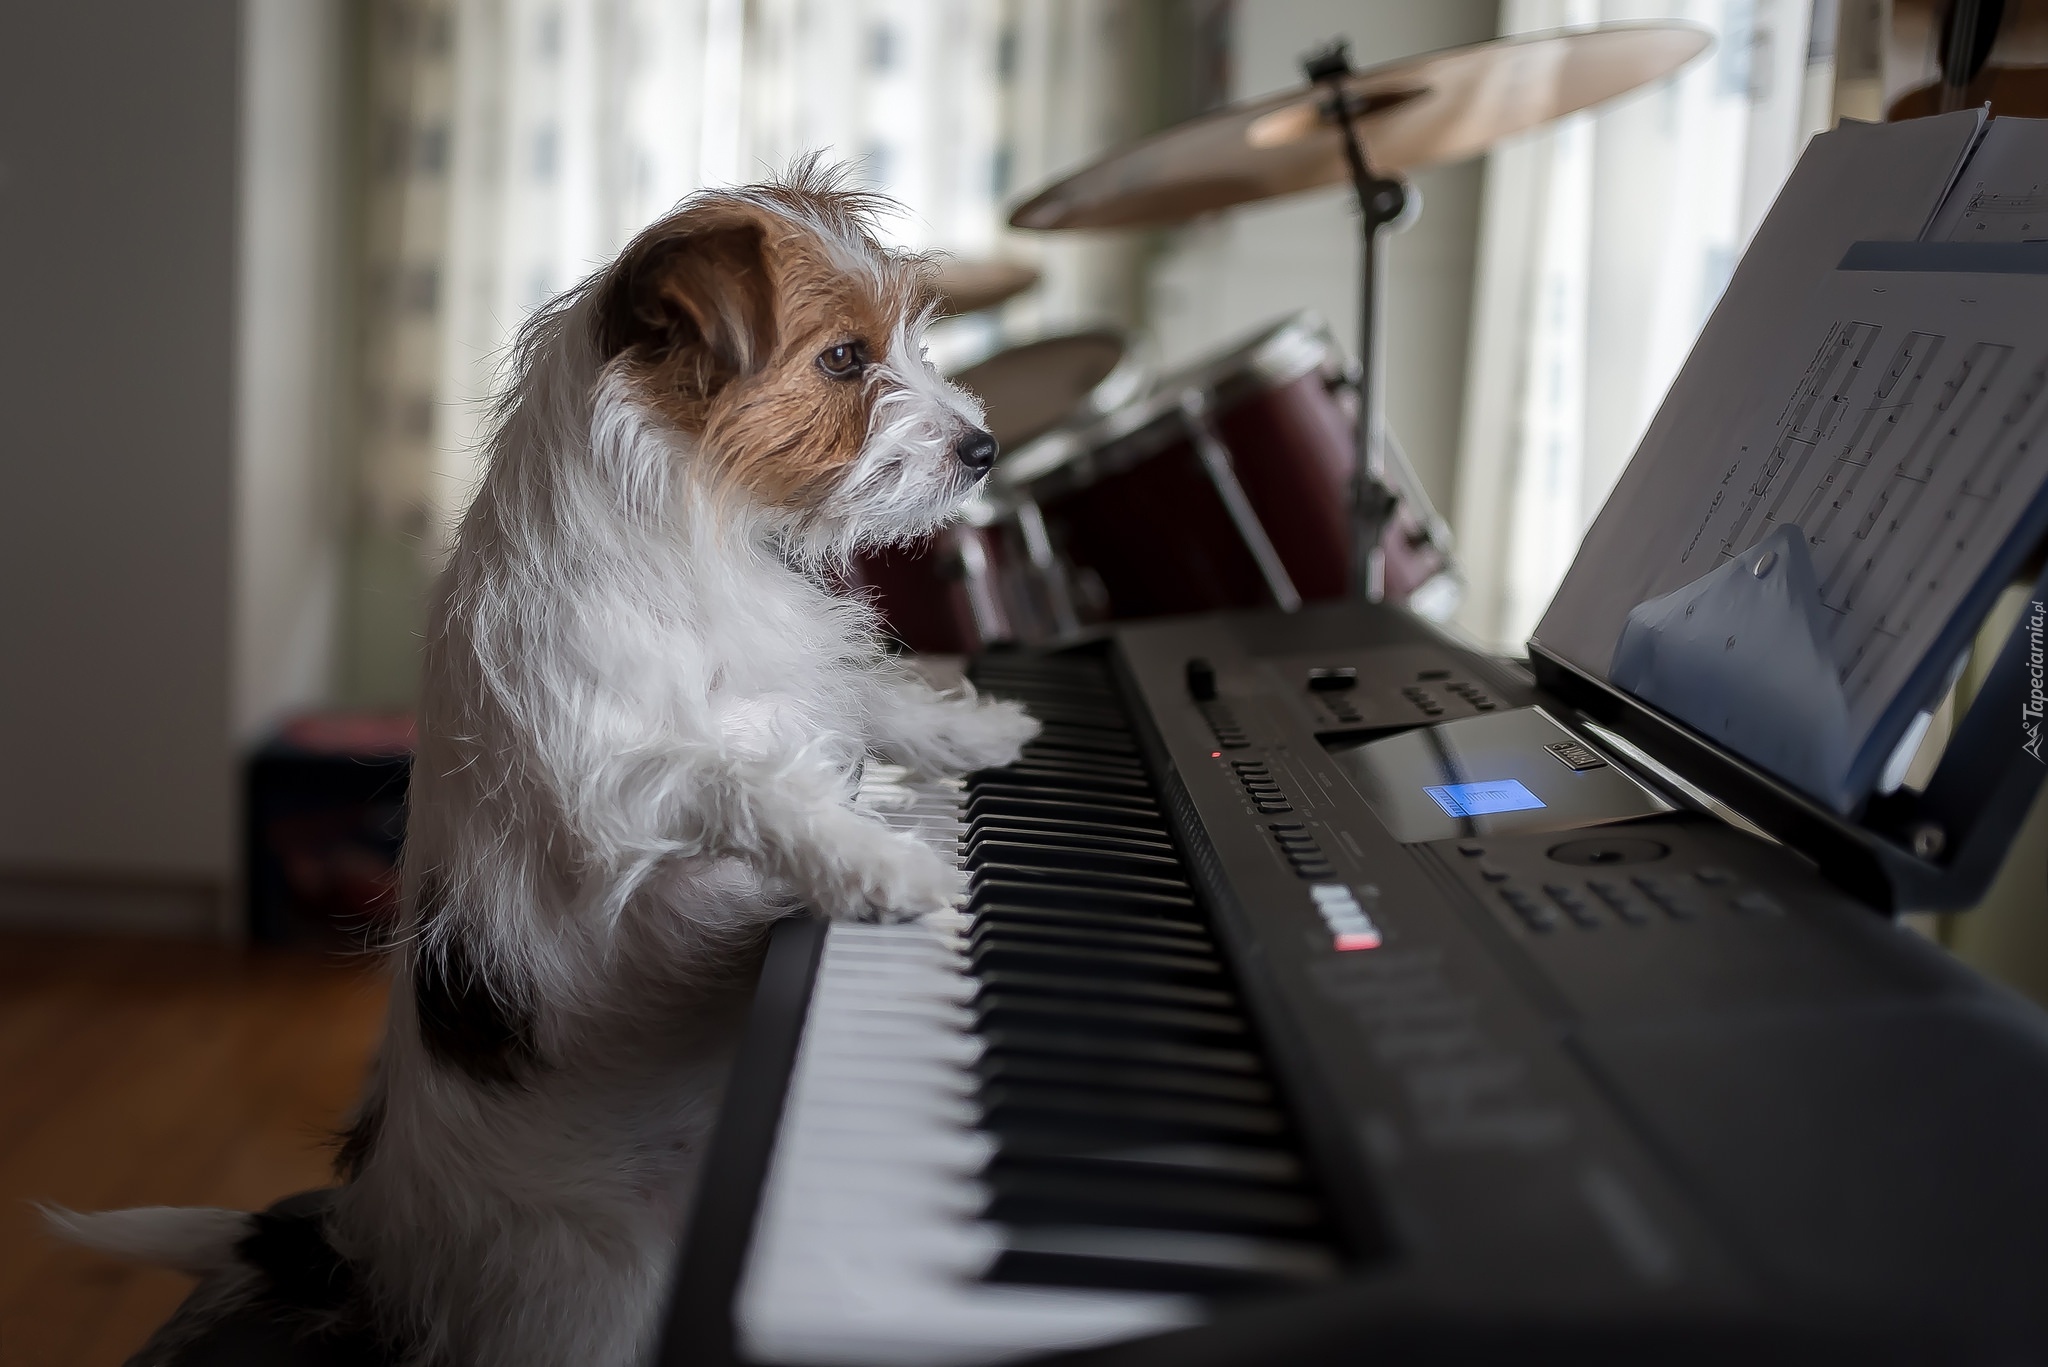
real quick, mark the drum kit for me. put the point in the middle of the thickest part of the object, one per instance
(1264, 475)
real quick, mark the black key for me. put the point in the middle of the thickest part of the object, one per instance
(1149, 833)
(996, 1010)
(1110, 740)
(1083, 742)
(1009, 806)
(1082, 877)
(1075, 710)
(1070, 986)
(1036, 854)
(1155, 1260)
(999, 930)
(1207, 1085)
(1063, 779)
(1077, 959)
(1054, 1042)
(1093, 1110)
(1071, 841)
(1076, 1198)
(1091, 757)
(1072, 925)
(1057, 766)
(1189, 926)
(982, 793)
(1017, 892)
(1208, 1161)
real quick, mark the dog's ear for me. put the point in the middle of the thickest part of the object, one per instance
(694, 297)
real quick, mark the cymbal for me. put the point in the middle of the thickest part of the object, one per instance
(1411, 114)
(966, 284)
(1029, 389)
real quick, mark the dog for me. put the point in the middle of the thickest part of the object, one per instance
(645, 705)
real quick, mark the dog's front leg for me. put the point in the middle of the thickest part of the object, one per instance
(915, 725)
(790, 816)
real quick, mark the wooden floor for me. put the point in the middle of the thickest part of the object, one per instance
(138, 1072)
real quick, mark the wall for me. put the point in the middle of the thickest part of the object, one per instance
(293, 348)
(1223, 278)
(158, 545)
(117, 231)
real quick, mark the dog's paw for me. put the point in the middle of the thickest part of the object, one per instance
(894, 878)
(992, 733)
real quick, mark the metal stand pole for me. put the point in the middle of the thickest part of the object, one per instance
(1380, 202)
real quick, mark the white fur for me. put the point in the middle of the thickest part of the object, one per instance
(192, 1239)
(642, 713)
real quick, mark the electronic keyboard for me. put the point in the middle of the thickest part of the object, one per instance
(1327, 991)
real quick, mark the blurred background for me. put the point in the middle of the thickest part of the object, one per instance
(262, 259)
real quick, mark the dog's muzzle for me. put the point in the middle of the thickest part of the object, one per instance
(976, 450)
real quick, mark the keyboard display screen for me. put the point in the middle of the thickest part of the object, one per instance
(1484, 799)
(1499, 773)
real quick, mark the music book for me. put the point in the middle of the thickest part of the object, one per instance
(1851, 465)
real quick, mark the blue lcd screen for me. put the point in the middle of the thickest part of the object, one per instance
(1484, 799)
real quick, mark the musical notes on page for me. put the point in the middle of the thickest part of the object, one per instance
(1904, 453)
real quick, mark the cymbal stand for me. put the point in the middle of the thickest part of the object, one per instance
(1381, 200)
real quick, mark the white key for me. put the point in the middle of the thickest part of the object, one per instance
(868, 1247)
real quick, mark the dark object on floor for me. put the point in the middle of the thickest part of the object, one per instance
(326, 817)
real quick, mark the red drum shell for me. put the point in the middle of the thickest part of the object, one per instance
(921, 590)
(1157, 536)
(1136, 526)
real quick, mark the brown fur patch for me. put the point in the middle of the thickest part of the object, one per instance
(719, 313)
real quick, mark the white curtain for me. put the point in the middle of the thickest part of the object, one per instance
(518, 144)
(1605, 241)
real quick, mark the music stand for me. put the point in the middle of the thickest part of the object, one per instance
(1937, 849)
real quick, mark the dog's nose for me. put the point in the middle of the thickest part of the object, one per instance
(976, 450)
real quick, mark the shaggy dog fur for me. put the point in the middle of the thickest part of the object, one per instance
(643, 712)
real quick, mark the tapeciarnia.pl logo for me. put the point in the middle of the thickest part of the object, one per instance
(2037, 696)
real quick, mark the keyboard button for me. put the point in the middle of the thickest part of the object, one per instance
(1758, 903)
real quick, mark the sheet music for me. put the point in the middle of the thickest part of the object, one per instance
(1891, 422)
(2002, 195)
(1862, 181)
(1905, 452)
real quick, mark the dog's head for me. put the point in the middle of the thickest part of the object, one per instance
(769, 326)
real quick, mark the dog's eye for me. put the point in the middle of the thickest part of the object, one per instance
(844, 361)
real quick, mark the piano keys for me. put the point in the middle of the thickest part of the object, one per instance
(1040, 1121)
(1215, 1065)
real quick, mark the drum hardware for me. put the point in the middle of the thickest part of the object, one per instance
(1215, 457)
(1381, 200)
(1415, 113)
(1372, 127)
(978, 577)
(1045, 563)
(1432, 532)
(1225, 484)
